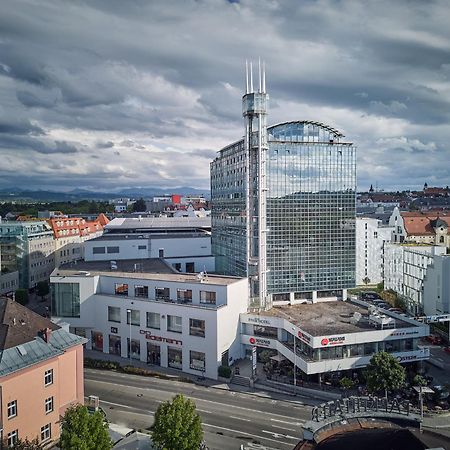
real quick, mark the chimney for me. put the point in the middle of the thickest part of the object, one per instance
(46, 334)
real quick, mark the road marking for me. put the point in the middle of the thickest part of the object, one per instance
(226, 405)
(281, 435)
(204, 410)
(239, 418)
(300, 422)
(245, 433)
(284, 428)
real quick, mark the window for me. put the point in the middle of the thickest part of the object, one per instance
(174, 324)
(12, 409)
(175, 358)
(98, 250)
(142, 247)
(97, 341)
(197, 361)
(161, 253)
(65, 299)
(121, 289)
(184, 295)
(115, 345)
(134, 316)
(141, 291)
(190, 268)
(113, 314)
(153, 320)
(208, 297)
(197, 327)
(162, 293)
(48, 405)
(113, 249)
(135, 348)
(46, 432)
(13, 437)
(177, 267)
(48, 377)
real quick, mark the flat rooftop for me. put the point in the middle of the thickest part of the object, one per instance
(143, 269)
(177, 235)
(324, 318)
(163, 223)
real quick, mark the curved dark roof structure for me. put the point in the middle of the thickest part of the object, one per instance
(309, 122)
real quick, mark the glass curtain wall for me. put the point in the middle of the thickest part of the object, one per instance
(65, 299)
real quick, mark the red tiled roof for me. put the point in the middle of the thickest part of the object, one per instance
(418, 223)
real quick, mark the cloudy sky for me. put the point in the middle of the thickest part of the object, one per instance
(110, 94)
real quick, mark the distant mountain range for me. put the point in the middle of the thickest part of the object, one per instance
(82, 194)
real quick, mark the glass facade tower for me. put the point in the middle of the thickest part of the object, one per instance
(309, 208)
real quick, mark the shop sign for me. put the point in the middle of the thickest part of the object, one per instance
(114, 330)
(406, 358)
(151, 337)
(259, 321)
(355, 405)
(332, 341)
(304, 337)
(259, 342)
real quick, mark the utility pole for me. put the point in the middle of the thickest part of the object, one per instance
(129, 343)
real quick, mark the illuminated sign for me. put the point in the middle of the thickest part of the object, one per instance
(332, 341)
(151, 337)
(259, 321)
(355, 405)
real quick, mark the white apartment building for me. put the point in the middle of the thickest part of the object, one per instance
(333, 336)
(371, 237)
(405, 269)
(157, 316)
(436, 286)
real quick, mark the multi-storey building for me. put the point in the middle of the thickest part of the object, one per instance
(405, 269)
(283, 208)
(371, 237)
(29, 248)
(41, 374)
(156, 315)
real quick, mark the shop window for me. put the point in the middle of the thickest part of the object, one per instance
(208, 297)
(197, 360)
(184, 295)
(115, 345)
(265, 331)
(135, 349)
(175, 358)
(153, 354)
(141, 291)
(114, 314)
(97, 341)
(197, 327)
(121, 289)
(174, 323)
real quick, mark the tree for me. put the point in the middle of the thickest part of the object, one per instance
(42, 289)
(21, 296)
(384, 373)
(366, 280)
(139, 205)
(419, 380)
(177, 425)
(24, 444)
(84, 431)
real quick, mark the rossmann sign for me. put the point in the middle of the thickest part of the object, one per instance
(335, 340)
(259, 342)
(151, 337)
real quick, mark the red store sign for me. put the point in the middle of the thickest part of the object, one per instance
(259, 342)
(151, 337)
(332, 341)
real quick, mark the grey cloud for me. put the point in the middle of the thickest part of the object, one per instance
(107, 144)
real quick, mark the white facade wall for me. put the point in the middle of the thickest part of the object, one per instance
(221, 320)
(141, 248)
(370, 241)
(436, 286)
(396, 221)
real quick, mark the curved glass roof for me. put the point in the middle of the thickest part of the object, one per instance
(303, 131)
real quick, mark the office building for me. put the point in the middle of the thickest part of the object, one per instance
(283, 208)
(41, 374)
(187, 322)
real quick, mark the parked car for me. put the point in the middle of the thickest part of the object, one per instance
(370, 296)
(434, 339)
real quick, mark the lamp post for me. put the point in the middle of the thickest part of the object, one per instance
(295, 361)
(129, 343)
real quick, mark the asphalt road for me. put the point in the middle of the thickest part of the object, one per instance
(230, 419)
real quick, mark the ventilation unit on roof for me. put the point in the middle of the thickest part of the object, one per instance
(21, 350)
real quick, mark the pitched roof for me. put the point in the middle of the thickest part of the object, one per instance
(102, 219)
(424, 224)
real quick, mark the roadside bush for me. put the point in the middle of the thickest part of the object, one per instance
(99, 364)
(224, 371)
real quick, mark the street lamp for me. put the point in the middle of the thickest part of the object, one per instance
(129, 342)
(295, 361)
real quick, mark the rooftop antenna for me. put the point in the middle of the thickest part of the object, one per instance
(264, 77)
(246, 76)
(251, 76)
(259, 73)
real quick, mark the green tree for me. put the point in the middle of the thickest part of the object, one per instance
(42, 289)
(139, 205)
(21, 296)
(384, 373)
(419, 380)
(84, 431)
(346, 383)
(177, 425)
